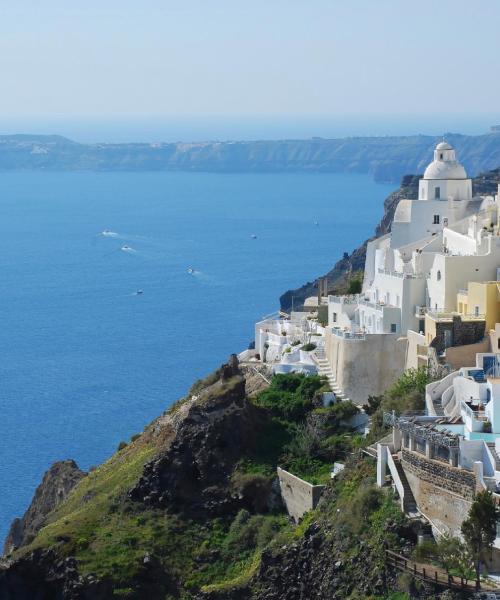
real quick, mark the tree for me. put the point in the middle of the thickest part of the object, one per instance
(355, 286)
(480, 528)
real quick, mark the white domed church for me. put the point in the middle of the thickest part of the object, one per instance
(438, 244)
(443, 197)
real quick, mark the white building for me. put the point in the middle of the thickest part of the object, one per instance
(438, 461)
(280, 341)
(438, 243)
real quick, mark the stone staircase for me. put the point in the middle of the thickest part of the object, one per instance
(325, 370)
(494, 453)
(409, 503)
(438, 407)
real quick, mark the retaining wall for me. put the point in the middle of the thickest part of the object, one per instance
(298, 495)
(443, 493)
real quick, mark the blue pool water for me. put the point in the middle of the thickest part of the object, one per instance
(86, 362)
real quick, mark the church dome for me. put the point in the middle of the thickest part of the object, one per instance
(445, 165)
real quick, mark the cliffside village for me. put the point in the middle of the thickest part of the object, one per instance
(430, 298)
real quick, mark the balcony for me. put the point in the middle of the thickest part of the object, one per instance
(376, 305)
(443, 315)
(399, 275)
(347, 299)
(348, 335)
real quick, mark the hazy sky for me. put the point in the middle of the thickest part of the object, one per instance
(253, 57)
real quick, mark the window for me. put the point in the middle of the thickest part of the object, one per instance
(498, 343)
(436, 220)
(437, 193)
(441, 156)
(438, 275)
(476, 311)
(393, 327)
(334, 317)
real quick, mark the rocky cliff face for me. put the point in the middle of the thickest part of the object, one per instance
(385, 158)
(195, 447)
(56, 484)
(207, 435)
(158, 518)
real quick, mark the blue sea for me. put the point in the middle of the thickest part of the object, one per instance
(86, 361)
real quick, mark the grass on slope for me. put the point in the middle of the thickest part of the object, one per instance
(94, 523)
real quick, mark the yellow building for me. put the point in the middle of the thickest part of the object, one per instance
(481, 299)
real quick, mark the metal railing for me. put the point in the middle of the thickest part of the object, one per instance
(349, 335)
(447, 315)
(476, 415)
(376, 305)
(443, 314)
(347, 299)
(400, 275)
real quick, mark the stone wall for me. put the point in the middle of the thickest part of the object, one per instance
(443, 493)
(366, 367)
(465, 356)
(298, 495)
(463, 333)
(452, 479)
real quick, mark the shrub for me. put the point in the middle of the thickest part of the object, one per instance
(372, 404)
(290, 396)
(410, 381)
(122, 445)
(309, 347)
(136, 436)
(344, 410)
(305, 444)
(448, 552)
(354, 286)
(248, 532)
(254, 488)
(363, 503)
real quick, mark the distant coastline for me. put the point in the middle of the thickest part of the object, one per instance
(385, 158)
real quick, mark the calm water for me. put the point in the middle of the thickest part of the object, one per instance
(86, 362)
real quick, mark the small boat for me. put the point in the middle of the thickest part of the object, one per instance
(253, 236)
(126, 248)
(108, 233)
(191, 271)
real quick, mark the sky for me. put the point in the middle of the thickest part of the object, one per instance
(259, 59)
